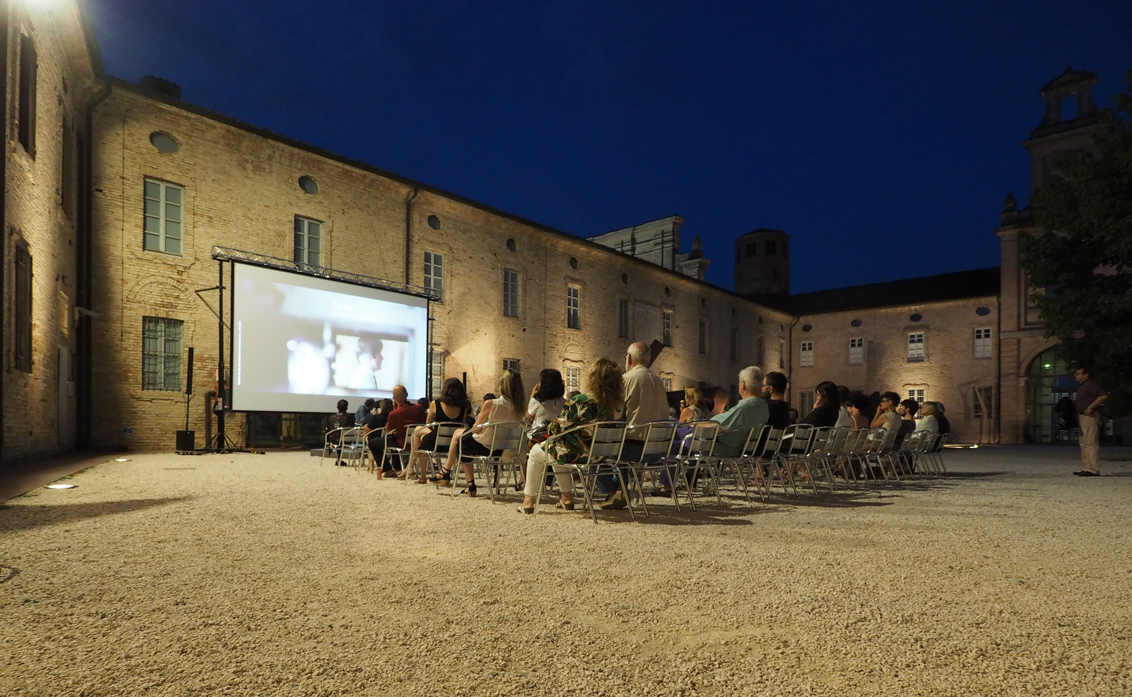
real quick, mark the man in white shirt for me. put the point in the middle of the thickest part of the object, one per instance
(645, 400)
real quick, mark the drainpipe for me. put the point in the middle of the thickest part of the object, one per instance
(997, 423)
(790, 362)
(409, 233)
(3, 213)
(84, 240)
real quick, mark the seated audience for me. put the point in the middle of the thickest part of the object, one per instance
(645, 400)
(827, 407)
(944, 424)
(363, 411)
(793, 416)
(454, 407)
(928, 421)
(404, 413)
(886, 414)
(692, 409)
(750, 412)
(774, 392)
(373, 426)
(477, 439)
(547, 400)
(602, 401)
(844, 419)
(343, 419)
(858, 409)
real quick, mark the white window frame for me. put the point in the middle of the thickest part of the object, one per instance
(917, 394)
(988, 394)
(806, 354)
(984, 347)
(624, 321)
(573, 379)
(512, 285)
(857, 350)
(434, 273)
(162, 340)
(308, 241)
(667, 384)
(916, 352)
(805, 402)
(573, 307)
(436, 372)
(163, 229)
(666, 327)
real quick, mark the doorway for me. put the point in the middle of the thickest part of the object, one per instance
(1048, 379)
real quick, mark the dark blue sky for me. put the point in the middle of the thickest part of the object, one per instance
(883, 136)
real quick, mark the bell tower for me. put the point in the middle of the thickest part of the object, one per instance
(762, 263)
(1063, 129)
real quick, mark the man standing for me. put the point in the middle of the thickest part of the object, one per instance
(750, 412)
(404, 413)
(1090, 397)
(645, 400)
(774, 392)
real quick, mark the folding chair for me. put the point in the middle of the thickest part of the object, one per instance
(506, 436)
(880, 451)
(852, 452)
(351, 447)
(696, 456)
(391, 448)
(830, 450)
(444, 431)
(766, 460)
(331, 445)
(795, 447)
(737, 463)
(603, 453)
(658, 437)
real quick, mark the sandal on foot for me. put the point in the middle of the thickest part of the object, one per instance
(470, 490)
(528, 511)
(565, 505)
(445, 477)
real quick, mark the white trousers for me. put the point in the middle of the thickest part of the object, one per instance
(1090, 443)
(537, 460)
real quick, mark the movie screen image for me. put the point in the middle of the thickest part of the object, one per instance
(301, 343)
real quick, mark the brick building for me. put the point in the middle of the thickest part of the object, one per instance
(96, 340)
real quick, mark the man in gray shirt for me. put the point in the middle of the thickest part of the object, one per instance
(645, 400)
(1089, 398)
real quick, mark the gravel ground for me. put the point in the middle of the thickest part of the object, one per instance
(270, 574)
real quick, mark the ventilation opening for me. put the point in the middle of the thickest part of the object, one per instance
(1069, 107)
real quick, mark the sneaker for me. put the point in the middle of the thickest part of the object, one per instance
(614, 501)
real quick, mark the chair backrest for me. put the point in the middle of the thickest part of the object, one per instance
(772, 442)
(606, 442)
(336, 433)
(818, 439)
(856, 439)
(835, 442)
(658, 439)
(754, 441)
(506, 435)
(353, 436)
(941, 439)
(888, 439)
(701, 440)
(797, 438)
(444, 432)
(913, 441)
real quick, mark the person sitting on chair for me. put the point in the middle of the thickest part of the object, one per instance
(602, 401)
(404, 413)
(749, 412)
(477, 439)
(343, 419)
(374, 423)
(452, 406)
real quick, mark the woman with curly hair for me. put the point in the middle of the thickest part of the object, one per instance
(476, 440)
(602, 401)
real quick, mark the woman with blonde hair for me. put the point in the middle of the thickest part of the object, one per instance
(927, 421)
(693, 408)
(602, 401)
(477, 439)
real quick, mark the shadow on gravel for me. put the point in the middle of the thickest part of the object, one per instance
(974, 475)
(704, 515)
(14, 518)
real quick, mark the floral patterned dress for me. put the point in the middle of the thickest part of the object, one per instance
(575, 446)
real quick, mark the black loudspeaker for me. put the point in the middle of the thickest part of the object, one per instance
(186, 441)
(189, 376)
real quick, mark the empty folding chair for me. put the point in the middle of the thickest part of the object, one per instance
(654, 458)
(696, 457)
(739, 463)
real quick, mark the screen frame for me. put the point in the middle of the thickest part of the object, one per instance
(228, 368)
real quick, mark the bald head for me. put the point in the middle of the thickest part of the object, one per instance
(400, 394)
(636, 354)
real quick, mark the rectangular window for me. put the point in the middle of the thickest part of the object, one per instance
(23, 309)
(667, 329)
(916, 393)
(308, 241)
(510, 293)
(161, 354)
(573, 307)
(983, 396)
(703, 336)
(622, 318)
(573, 379)
(164, 208)
(983, 342)
(667, 384)
(734, 344)
(25, 114)
(857, 351)
(807, 358)
(915, 347)
(512, 364)
(434, 274)
(436, 372)
(805, 403)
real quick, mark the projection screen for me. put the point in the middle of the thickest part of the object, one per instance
(301, 343)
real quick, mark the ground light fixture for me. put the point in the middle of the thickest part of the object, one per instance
(61, 486)
(122, 459)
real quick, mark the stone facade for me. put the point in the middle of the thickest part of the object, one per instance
(49, 77)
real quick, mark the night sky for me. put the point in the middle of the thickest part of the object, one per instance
(883, 136)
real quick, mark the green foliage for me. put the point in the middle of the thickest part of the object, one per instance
(1082, 253)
